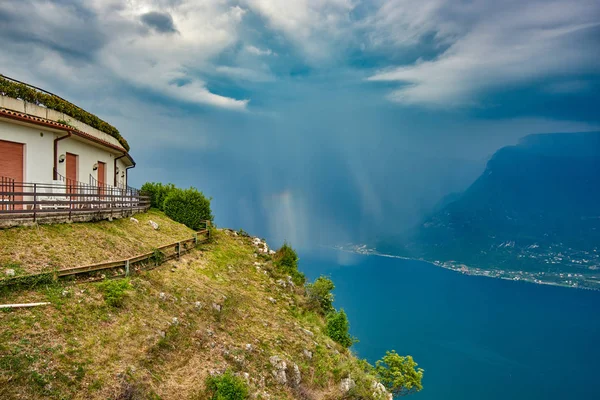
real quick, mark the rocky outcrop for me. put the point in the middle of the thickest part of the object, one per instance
(380, 392)
(347, 384)
(285, 373)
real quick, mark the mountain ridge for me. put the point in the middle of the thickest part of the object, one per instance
(533, 210)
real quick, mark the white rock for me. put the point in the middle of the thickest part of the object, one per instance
(248, 347)
(347, 385)
(162, 296)
(175, 321)
(279, 370)
(379, 391)
(134, 220)
(198, 305)
(272, 300)
(309, 333)
(216, 307)
(296, 377)
(153, 224)
(10, 272)
(308, 354)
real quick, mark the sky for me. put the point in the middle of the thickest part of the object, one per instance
(314, 121)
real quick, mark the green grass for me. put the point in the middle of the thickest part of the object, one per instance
(165, 338)
(48, 247)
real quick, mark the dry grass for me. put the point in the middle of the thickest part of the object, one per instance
(82, 348)
(47, 247)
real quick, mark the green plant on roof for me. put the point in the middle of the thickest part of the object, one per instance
(22, 91)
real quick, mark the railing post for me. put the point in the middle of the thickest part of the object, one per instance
(34, 200)
(178, 250)
(127, 268)
(70, 201)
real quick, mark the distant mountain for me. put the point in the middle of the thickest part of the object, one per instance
(535, 208)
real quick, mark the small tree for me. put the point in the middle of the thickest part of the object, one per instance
(400, 375)
(319, 295)
(338, 328)
(286, 261)
(188, 207)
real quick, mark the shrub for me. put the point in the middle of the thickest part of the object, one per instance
(115, 291)
(157, 192)
(226, 387)
(158, 257)
(400, 375)
(188, 206)
(286, 261)
(338, 328)
(319, 295)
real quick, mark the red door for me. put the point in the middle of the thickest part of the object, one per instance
(101, 176)
(11, 172)
(72, 167)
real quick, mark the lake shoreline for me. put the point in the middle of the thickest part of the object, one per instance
(464, 269)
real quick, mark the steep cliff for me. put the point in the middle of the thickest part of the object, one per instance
(221, 308)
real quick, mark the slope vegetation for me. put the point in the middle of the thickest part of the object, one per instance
(162, 333)
(47, 247)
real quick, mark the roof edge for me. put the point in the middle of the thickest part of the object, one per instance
(57, 125)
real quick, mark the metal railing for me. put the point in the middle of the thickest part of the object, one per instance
(29, 200)
(7, 185)
(106, 188)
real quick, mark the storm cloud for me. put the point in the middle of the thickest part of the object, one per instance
(161, 22)
(308, 119)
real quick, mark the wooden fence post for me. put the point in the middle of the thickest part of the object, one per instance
(127, 268)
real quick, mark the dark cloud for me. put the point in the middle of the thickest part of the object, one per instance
(77, 37)
(161, 22)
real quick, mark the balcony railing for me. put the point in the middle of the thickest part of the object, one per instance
(30, 200)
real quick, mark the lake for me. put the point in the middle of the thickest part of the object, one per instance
(476, 338)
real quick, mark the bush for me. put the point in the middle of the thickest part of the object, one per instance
(115, 291)
(338, 328)
(400, 375)
(286, 261)
(226, 387)
(319, 295)
(188, 206)
(157, 192)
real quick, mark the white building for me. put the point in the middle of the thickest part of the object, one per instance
(36, 147)
(55, 168)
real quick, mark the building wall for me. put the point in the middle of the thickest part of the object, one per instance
(88, 156)
(33, 109)
(121, 180)
(37, 156)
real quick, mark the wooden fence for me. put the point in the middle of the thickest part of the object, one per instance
(158, 256)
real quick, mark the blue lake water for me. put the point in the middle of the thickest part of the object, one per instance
(476, 338)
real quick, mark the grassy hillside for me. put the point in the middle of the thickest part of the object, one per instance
(219, 308)
(47, 247)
